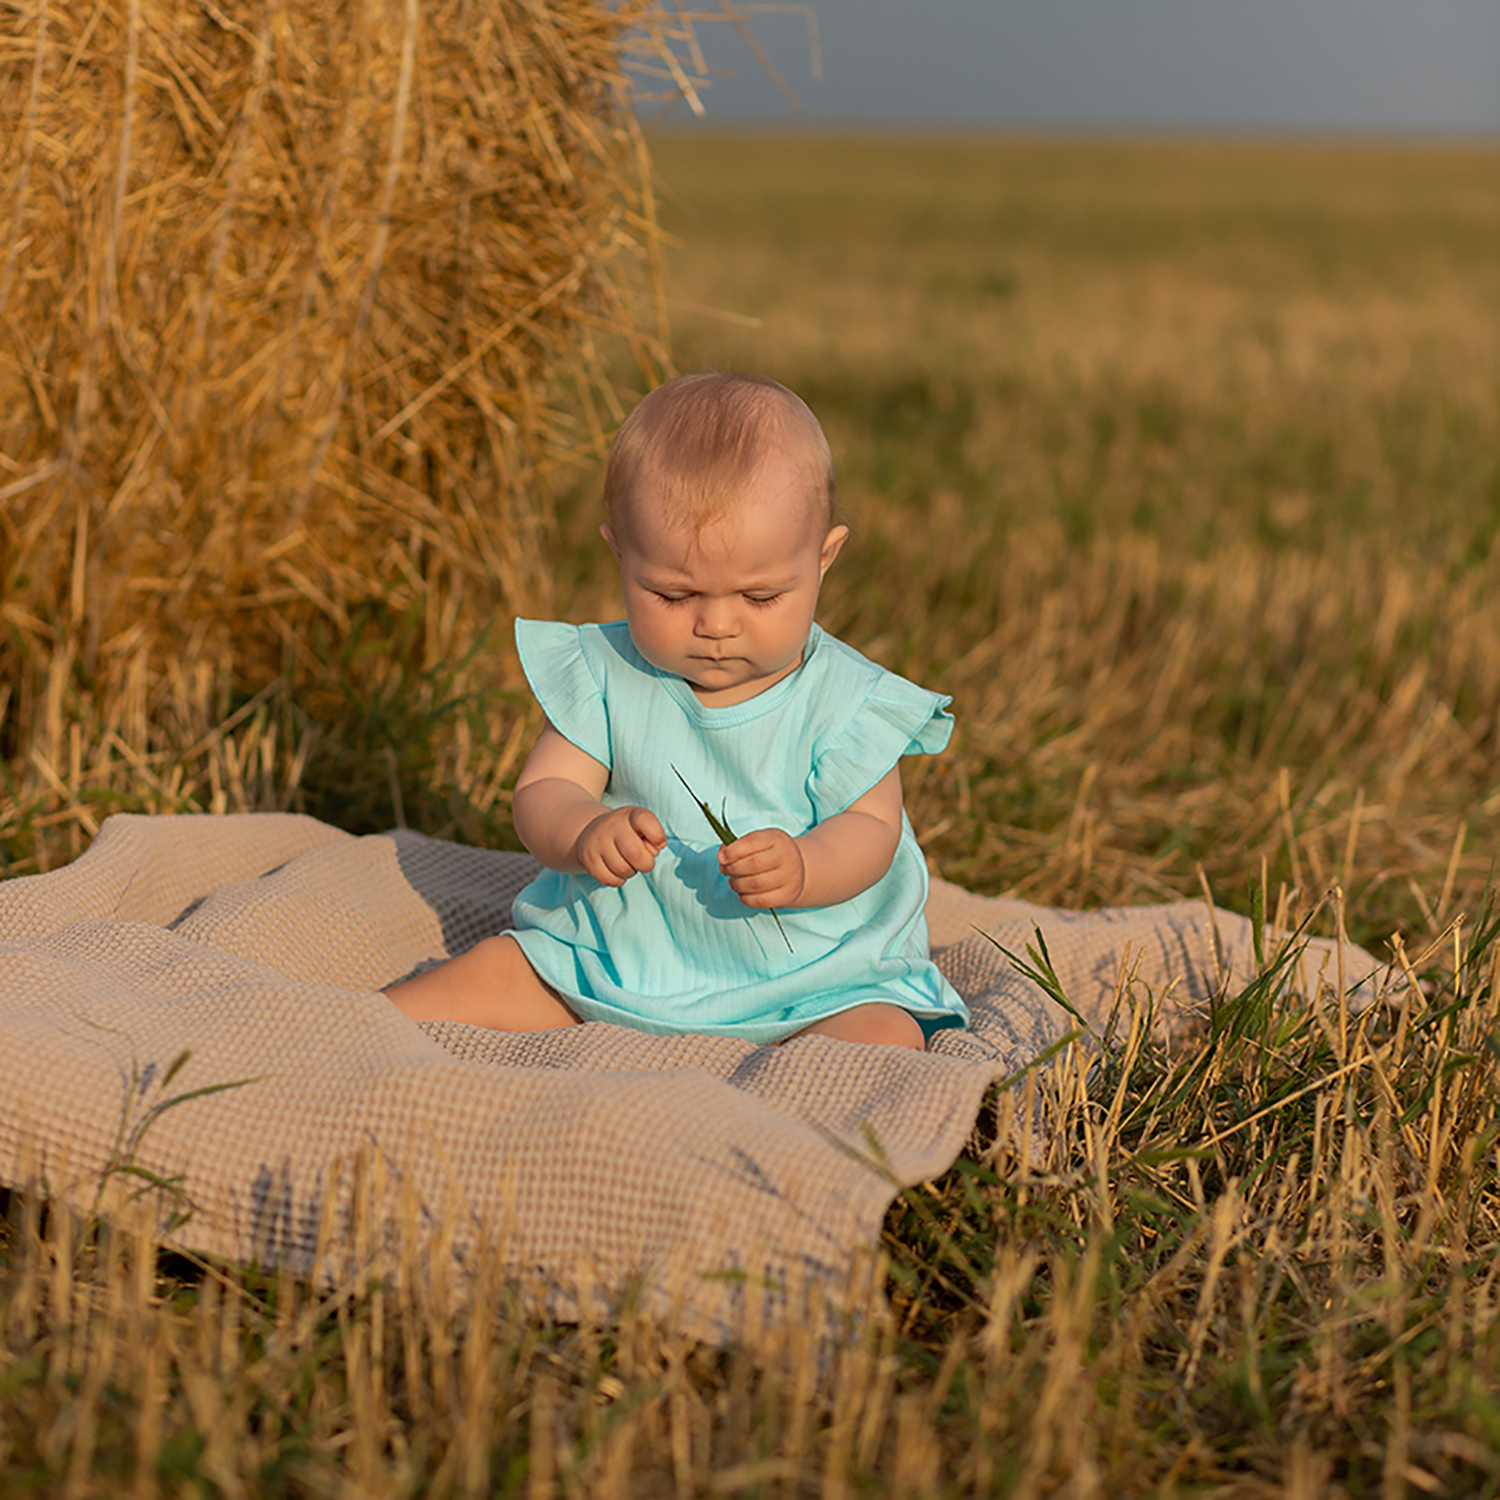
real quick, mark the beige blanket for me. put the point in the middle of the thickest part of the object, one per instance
(690, 1166)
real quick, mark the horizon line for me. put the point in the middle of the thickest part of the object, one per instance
(1097, 133)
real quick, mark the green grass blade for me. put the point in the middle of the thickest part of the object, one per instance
(722, 831)
(782, 930)
(726, 835)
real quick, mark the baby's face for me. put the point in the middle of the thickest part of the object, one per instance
(728, 610)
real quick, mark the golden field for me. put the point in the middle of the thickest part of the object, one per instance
(1178, 465)
(1175, 464)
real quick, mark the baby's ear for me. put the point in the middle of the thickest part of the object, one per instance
(832, 545)
(610, 540)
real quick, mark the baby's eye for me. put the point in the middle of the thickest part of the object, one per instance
(764, 598)
(671, 598)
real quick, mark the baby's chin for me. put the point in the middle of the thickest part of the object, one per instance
(706, 683)
(735, 680)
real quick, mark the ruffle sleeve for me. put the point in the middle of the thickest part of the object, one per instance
(556, 663)
(897, 718)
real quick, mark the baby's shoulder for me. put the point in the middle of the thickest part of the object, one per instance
(867, 709)
(837, 666)
(555, 646)
(560, 632)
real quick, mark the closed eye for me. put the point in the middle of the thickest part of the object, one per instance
(765, 598)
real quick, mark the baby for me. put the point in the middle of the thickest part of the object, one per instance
(717, 689)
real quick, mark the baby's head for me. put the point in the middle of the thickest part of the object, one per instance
(721, 505)
(685, 456)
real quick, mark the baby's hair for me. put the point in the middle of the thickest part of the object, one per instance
(700, 438)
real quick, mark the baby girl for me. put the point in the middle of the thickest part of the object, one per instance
(717, 694)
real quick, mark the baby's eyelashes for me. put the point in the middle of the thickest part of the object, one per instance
(758, 599)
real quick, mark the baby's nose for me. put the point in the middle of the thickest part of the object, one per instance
(716, 618)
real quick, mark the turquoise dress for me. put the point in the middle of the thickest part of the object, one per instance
(675, 949)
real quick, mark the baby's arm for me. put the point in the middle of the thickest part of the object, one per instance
(560, 819)
(836, 860)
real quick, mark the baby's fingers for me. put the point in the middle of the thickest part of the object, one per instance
(608, 865)
(599, 868)
(635, 847)
(764, 868)
(773, 885)
(648, 826)
(612, 851)
(766, 849)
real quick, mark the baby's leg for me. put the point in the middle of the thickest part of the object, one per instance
(491, 984)
(884, 1025)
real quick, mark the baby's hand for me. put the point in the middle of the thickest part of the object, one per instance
(765, 868)
(619, 844)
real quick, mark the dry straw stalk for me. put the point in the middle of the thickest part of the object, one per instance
(298, 304)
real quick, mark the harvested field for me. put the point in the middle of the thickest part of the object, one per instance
(1176, 464)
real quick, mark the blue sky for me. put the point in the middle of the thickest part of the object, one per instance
(1297, 65)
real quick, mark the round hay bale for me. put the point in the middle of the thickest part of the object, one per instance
(297, 304)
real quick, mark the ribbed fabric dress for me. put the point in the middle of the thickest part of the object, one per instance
(675, 949)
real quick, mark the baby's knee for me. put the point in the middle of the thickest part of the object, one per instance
(873, 1025)
(498, 957)
(889, 1026)
(491, 984)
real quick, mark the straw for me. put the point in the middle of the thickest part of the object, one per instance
(303, 307)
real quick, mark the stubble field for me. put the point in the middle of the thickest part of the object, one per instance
(1178, 466)
(1175, 464)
